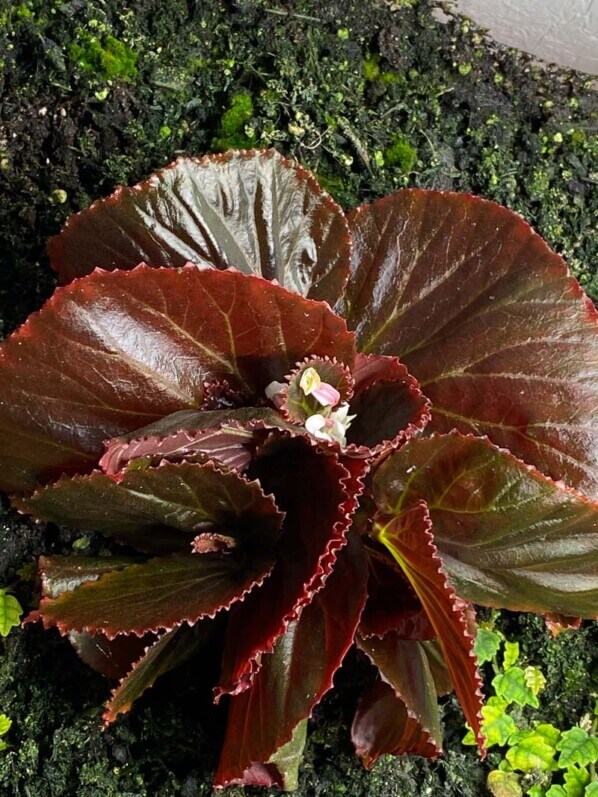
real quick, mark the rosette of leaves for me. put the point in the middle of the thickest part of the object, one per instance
(163, 397)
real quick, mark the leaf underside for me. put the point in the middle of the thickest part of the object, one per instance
(507, 536)
(500, 337)
(255, 211)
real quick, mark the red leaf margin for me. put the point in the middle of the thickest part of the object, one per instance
(409, 536)
(239, 670)
(58, 246)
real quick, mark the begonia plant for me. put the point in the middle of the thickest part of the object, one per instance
(323, 430)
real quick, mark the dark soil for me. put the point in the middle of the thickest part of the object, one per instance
(372, 95)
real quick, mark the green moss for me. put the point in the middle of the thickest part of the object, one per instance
(400, 154)
(371, 67)
(233, 132)
(108, 58)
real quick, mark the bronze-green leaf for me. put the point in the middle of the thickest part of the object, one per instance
(507, 535)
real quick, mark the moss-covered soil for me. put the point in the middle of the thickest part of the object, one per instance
(372, 95)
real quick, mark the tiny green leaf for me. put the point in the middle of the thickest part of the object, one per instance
(10, 612)
(504, 784)
(556, 791)
(486, 645)
(511, 654)
(5, 724)
(576, 747)
(534, 679)
(497, 725)
(592, 790)
(575, 781)
(535, 791)
(532, 751)
(511, 685)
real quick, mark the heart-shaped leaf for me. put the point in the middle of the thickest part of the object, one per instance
(487, 318)
(507, 535)
(161, 509)
(295, 676)
(115, 351)
(252, 210)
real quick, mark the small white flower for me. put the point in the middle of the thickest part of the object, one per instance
(333, 427)
(311, 384)
(275, 393)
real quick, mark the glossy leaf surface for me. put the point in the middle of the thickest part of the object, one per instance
(115, 351)
(487, 318)
(388, 404)
(507, 535)
(403, 666)
(317, 518)
(172, 649)
(392, 604)
(229, 436)
(382, 723)
(409, 539)
(159, 594)
(161, 509)
(255, 211)
(298, 672)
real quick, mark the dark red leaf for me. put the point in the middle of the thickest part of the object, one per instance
(409, 539)
(161, 509)
(557, 623)
(158, 594)
(61, 573)
(252, 210)
(507, 535)
(487, 318)
(229, 436)
(112, 658)
(171, 650)
(388, 404)
(113, 352)
(296, 675)
(382, 725)
(392, 604)
(319, 496)
(403, 666)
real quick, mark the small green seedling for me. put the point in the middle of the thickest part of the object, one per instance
(10, 613)
(539, 760)
(5, 724)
